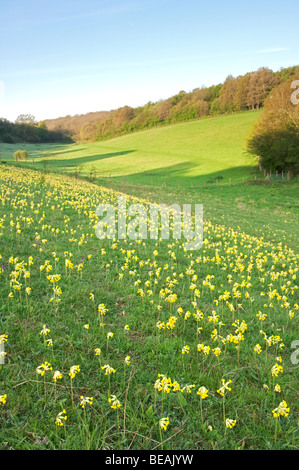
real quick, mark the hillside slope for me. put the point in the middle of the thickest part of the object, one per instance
(199, 150)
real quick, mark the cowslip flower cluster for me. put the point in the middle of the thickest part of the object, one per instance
(41, 370)
(202, 392)
(225, 386)
(85, 401)
(281, 410)
(3, 399)
(164, 423)
(230, 423)
(74, 371)
(108, 369)
(60, 418)
(276, 369)
(115, 403)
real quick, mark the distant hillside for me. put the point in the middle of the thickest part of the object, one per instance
(196, 151)
(242, 93)
(73, 124)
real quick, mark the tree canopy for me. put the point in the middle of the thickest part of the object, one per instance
(275, 138)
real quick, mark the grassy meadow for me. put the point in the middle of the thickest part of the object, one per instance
(191, 152)
(140, 344)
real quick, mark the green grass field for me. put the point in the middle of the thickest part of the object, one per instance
(188, 152)
(189, 157)
(222, 316)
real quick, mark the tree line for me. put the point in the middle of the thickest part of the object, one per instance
(245, 92)
(275, 137)
(26, 129)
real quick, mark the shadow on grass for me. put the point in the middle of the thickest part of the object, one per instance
(76, 162)
(175, 175)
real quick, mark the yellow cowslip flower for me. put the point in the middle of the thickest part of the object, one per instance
(49, 343)
(187, 388)
(115, 403)
(170, 325)
(202, 392)
(127, 360)
(108, 370)
(261, 316)
(163, 384)
(163, 423)
(126, 328)
(214, 317)
(186, 349)
(54, 277)
(160, 325)
(85, 401)
(291, 314)
(175, 386)
(91, 296)
(60, 418)
(277, 388)
(102, 309)
(281, 410)
(276, 369)
(73, 371)
(3, 399)
(45, 331)
(43, 368)
(187, 315)
(86, 326)
(3, 338)
(257, 349)
(97, 351)
(28, 290)
(216, 351)
(225, 386)
(230, 423)
(57, 375)
(110, 335)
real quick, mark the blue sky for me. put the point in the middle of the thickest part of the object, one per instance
(60, 57)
